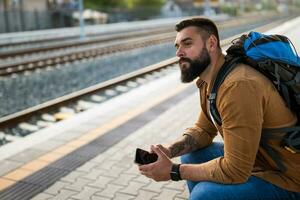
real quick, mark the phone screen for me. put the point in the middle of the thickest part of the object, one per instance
(144, 157)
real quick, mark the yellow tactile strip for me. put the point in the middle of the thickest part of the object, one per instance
(4, 183)
(33, 166)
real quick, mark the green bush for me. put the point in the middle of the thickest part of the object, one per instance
(229, 9)
(268, 5)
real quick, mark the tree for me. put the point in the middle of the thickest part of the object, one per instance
(127, 4)
(146, 3)
(128, 9)
(96, 4)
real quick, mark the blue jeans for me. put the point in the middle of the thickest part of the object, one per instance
(254, 189)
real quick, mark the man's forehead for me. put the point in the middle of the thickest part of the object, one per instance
(189, 32)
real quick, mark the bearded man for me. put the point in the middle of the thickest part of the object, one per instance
(247, 102)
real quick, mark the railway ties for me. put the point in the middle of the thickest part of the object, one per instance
(78, 54)
(54, 112)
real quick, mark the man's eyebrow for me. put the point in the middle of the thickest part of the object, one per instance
(186, 39)
(183, 40)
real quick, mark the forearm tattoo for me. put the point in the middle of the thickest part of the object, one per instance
(185, 145)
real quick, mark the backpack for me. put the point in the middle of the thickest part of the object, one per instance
(276, 58)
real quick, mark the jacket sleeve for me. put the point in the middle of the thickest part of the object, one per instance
(203, 131)
(240, 105)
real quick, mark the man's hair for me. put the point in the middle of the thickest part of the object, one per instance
(206, 27)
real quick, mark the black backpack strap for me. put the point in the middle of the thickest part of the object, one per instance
(290, 139)
(286, 95)
(281, 130)
(273, 155)
(227, 67)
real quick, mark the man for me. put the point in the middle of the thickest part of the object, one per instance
(247, 102)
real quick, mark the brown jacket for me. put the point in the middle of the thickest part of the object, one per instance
(247, 102)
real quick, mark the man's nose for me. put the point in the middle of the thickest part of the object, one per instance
(180, 53)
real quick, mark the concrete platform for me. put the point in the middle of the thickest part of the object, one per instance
(90, 156)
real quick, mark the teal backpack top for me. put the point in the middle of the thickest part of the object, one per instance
(275, 57)
(260, 47)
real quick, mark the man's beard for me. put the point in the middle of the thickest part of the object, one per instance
(195, 67)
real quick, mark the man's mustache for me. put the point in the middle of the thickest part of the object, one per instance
(182, 59)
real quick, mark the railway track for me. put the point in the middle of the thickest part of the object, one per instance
(44, 61)
(52, 36)
(69, 42)
(93, 33)
(70, 51)
(30, 120)
(27, 121)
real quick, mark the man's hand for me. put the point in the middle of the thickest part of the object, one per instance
(165, 149)
(159, 170)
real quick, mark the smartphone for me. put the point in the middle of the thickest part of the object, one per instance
(143, 157)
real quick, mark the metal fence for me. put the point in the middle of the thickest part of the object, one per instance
(18, 20)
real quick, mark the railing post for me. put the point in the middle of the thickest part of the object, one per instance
(82, 32)
(6, 21)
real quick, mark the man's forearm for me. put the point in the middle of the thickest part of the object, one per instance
(184, 145)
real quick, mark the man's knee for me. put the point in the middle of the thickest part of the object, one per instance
(204, 190)
(186, 159)
(203, 155)
(194, 157)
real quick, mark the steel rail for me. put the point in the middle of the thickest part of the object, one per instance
(59, 38)
(14, 118)
(78, 43)
(104, 38)
(46, 61)
(94, 33)
(99, 39)
(46, 106)
(50, 60)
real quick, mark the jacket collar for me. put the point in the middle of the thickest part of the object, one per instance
(209, 74)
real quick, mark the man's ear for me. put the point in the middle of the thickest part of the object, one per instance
(212, 43)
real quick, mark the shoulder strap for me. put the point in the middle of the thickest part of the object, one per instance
(227, 67)
(281, 130)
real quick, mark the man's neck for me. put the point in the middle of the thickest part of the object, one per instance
(210, 73)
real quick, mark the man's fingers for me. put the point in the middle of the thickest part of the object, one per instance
(151, 151)
(163, 149)
(158, 151)
(142, 167)
(147, 167)
(146, 173)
